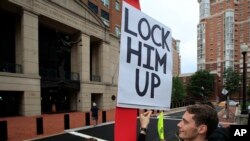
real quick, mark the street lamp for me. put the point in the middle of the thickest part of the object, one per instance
(244, 48)
(240, 91)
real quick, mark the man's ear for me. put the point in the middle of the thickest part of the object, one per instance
(202, 129)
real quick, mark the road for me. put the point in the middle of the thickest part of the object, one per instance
(105, 131)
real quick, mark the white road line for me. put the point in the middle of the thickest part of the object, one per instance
(90, 126)
(228, 123)
(172, 118)
(167, 117)
(85, 136)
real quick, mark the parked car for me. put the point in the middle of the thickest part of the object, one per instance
(233, 103)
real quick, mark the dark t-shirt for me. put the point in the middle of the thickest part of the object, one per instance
(94, 111)
(141, 137)
(219, 134)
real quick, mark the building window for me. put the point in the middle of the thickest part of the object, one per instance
(95, 53)
(117, 5)
(105, 3)
(117, 31)
(105, 17)
(93, 7)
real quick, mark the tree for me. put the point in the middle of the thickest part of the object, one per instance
(231, 83)
(201, 85)
(232, 80)
(178, 90)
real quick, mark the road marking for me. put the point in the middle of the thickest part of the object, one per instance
(227, 123)
(172, 118)
(167, 117)
(88, 127)
(85, 136)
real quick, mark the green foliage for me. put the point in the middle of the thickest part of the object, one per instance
(178, 90)
(232, 80)
(201, 85)
(248, 91)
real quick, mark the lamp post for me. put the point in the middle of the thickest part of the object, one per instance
(244, 49)
(239, 92)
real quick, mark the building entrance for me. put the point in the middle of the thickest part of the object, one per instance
(57, 84)
(10, 102)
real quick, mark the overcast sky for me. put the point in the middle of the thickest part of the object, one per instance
(182, 16)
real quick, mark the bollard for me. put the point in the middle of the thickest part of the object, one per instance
(66, 121)
(103, 116)
(39, 125)
(248, 119)
(87, 119)
(3, 131)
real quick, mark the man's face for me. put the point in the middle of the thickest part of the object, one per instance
(187, 127)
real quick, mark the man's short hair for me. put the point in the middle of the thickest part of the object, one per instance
(204, 114)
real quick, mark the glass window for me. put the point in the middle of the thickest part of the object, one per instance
(93, 7)
(105, 15)
(117, 31)
(105, 3)
(117, 5)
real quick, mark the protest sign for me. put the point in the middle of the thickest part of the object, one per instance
(145, 72)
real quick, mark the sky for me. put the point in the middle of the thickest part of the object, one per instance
(182, 16)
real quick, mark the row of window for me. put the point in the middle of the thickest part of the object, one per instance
(117, 4)
(104, 14)
(94, 8)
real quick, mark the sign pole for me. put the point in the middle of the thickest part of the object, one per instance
(135, 3)
(126, 118)
(225, 92)
(125, 124)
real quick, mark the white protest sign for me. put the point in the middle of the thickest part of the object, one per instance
(145, 71)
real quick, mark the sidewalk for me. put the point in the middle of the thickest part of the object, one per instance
(175, 110)
(224, 121)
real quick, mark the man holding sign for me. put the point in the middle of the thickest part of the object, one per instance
(145, 72)
(197, 124)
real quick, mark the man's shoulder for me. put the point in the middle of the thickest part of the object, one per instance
(219, 134)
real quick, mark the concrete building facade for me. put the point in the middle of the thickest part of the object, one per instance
(60, 56)
(56, 59)
(55, 56)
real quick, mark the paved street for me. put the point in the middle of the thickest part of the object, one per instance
(105, 132)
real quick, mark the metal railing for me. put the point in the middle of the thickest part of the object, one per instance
(53, 74)
(96, 78)
(10, 67)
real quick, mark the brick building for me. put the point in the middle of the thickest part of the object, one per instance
(224, 25)
(176, 57)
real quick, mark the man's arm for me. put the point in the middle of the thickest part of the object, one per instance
(144, 121)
